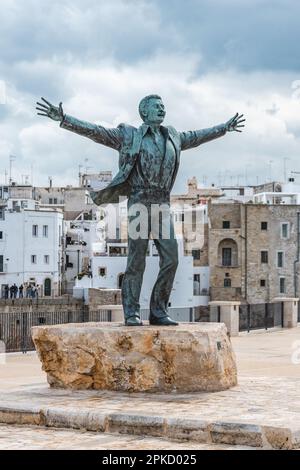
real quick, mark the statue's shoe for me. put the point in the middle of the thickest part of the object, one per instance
(133, 321)
(164, 321)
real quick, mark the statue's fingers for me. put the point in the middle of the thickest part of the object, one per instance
(41, 109)
(237, 130)
(40, 114)
(242, 125)
(240, 116)
(240, 120)
(42, 105)
(49, 104)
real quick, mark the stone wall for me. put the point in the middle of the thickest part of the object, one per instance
(270, 240)
(104, 297)
(201, 313)
(220, 212)
(247, 240)
(43, 304)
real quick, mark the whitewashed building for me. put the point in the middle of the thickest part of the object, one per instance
(107, 272)
(31, 246)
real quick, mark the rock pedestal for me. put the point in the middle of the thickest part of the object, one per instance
(190, 357)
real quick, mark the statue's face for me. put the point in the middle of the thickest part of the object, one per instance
(155, 111)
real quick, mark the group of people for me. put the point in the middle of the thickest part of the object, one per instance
(24, 290)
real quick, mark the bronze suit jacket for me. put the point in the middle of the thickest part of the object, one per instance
(127, 140)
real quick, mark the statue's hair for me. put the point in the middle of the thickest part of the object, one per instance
(144, 104)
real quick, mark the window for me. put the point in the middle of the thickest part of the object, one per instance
(35, 230)
(1, 264)
(45, 230)
(227, 282)
(1, 235)
(46, 259)
(282, 285)
(262, 283)
(226, 224)
(194, 220)
(15, 205)
(102, 272)
(264, 256)
(196, 284)
(226, 257)
(264, 225)
(33, 259)
(280, 259)
(55, 200)
(50, 200)
(196, 254)
(285, 230)
(2, 217)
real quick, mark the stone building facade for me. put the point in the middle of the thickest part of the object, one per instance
(253, 251)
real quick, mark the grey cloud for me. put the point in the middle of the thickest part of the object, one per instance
(86, 30)
(101, 56)
(246, 35)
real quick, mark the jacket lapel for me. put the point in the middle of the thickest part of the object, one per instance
(137, 139)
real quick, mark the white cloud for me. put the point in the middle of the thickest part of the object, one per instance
(101, 58)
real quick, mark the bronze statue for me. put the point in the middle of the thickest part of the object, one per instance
(148, 164)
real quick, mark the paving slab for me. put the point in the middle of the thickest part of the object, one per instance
(264, 409)
(259, 412)
(38, 438)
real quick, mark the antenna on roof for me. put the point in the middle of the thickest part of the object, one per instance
(11, 159)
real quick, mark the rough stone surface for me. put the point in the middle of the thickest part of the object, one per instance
(106, 356)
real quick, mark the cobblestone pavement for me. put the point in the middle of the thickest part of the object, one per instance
(35, 438)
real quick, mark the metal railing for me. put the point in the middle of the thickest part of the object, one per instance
(260, 316)
(15, 327)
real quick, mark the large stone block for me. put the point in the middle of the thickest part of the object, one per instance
(108, 356)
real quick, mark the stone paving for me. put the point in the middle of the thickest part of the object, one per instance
(37, 438)
(257, 412)
(262, 411)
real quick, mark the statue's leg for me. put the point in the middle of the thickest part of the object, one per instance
(168, 253)
(133, 277)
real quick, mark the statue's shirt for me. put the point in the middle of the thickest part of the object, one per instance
(156, 162)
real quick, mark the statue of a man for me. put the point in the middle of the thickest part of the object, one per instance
(148, 164)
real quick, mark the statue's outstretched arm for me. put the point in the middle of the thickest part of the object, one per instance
(192, 139)
(109, 137)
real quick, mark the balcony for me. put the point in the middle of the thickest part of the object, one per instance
(225, 293)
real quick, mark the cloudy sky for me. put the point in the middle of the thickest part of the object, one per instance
(206, 58)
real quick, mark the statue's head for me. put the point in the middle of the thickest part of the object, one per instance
(152, 109)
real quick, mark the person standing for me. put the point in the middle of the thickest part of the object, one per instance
(6, 291)
(21, 291)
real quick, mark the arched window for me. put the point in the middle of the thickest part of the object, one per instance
(228, 252)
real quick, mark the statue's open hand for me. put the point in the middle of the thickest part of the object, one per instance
(53, 112)
(235, 123)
